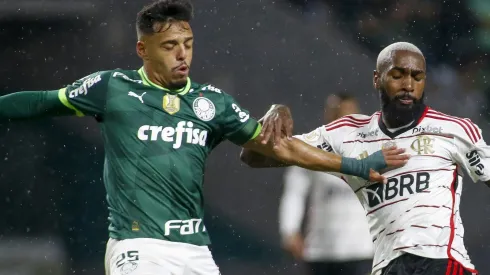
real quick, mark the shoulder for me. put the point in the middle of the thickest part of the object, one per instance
(213, 93)
(208, 90)
(335, 132)
(455, 126)
(351, 124)
(125, 75)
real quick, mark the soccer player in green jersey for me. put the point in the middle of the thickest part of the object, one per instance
(158, 128)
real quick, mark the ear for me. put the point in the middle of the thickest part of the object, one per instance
(141, 50)
(376, 79)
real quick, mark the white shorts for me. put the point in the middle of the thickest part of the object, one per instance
(157, 257)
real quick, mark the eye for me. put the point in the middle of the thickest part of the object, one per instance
(419, 77)
(168, 46)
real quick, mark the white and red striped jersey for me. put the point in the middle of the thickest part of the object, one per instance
(417, 211)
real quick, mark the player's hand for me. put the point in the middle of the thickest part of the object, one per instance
(276, 123)
(294, 244)
(394, 158)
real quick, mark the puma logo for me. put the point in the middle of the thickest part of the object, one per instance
(140, 97)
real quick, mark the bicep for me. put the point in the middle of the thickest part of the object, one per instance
(87, 96)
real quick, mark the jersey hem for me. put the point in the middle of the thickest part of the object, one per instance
(121, 237)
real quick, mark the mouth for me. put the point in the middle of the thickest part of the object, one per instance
(182, 69)
(406, 100)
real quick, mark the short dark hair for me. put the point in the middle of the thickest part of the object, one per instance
(162, 11)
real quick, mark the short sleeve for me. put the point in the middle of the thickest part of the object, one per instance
(323, 139)
(237, 124)
(472, 154)
(87, 96)
(319, 138)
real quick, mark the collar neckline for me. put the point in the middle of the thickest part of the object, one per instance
(148, 82)
(419, 116)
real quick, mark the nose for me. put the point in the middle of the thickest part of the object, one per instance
(181, 53)
(408, 84)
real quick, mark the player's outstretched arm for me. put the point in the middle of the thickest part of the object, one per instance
(296, 152)
(30, 104)
(86, 96)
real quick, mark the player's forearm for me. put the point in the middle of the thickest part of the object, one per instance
(298, 153)
(31, 104)
(257, 160)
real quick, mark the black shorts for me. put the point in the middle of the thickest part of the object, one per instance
(409, 264)
(360, 267)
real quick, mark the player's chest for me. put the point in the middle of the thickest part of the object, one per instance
(154, 115)
(424, 148)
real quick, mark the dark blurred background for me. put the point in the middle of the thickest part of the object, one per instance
(261, 51)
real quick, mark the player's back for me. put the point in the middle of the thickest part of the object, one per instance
(156, 144)
(417, 211)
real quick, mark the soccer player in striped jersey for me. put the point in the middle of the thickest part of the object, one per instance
(158, 128)
(414, 218)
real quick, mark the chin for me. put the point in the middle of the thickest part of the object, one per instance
(404, 106)
(178, 84)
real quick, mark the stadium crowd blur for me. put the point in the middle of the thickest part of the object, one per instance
(54, 213)
(453, 35)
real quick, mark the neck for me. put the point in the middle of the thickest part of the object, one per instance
(154, 77)
(393, 123)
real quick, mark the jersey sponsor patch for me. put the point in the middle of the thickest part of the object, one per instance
(474, 161)
(312, 136)
(397, 187)
(183, 133)
(241, 114)
(171, 103)
(204, 108)
(184, 227)
(83, 89)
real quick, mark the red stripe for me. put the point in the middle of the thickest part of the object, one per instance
(449, 265)
(399, 230)
(346, 119)
(351, 119)
(374, 210)
(472, 136)
(384, 139)
(451, 221)
(455, 268)
(458, 120)
(429, 206)
(474, 127)
(423, 115)
(419, 226)
(460, 270)
(471, 126)
(423, 170)
(345, 124)
(361, 119)
(343, 120)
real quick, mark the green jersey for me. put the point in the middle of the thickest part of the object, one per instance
(156, 144)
